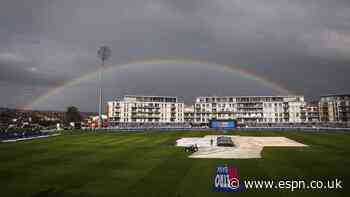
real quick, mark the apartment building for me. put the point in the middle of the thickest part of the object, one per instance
(145, 110)
(189, 114)
(250, 109)
(312, 111)
(335, 108)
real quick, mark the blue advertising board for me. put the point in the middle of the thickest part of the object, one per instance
(223, 124)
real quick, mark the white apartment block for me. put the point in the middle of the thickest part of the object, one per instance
(250, 109)
(189, 114)
(312, 112)
(335, 108)
(145, 110)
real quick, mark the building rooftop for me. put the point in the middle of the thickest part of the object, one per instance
(335, 95)
(148, 98)
(249, 96)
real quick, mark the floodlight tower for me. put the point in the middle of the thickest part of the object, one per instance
(103, 53)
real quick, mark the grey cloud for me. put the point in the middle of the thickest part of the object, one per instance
(26, 74)
(303, 45)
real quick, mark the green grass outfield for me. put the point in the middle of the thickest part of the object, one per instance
(148, 164)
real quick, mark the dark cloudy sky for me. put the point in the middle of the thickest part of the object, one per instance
(302, 45)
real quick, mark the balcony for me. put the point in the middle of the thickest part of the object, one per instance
(144, 117)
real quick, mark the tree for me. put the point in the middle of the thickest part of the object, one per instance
(72, 115)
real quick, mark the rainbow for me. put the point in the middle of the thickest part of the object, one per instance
(228, 68)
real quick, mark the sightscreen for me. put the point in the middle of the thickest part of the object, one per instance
(223, 124)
